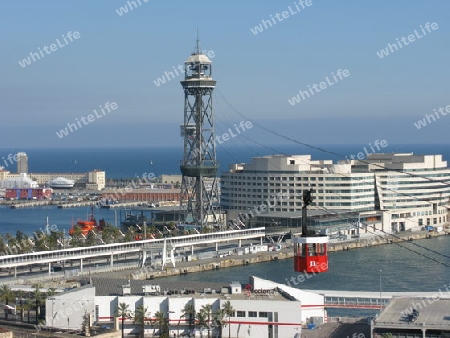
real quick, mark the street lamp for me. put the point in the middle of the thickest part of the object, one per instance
(380, 290)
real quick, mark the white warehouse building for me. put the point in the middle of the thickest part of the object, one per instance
(409, 191)
(261, 308)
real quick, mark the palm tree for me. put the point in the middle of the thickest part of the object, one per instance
(123, 311)
(219, 319)
(6, 295)
(201, 320)
(21, 306)
(139, 318)
(189, 313)
(229, 312)
(207, 312)
(77, 237)
(28, 306)
(37, 297)
(51, 292)
(161, 320)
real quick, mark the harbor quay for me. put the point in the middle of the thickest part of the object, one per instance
(286, 252)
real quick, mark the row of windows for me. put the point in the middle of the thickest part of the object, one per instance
(254, 314)
(435, 220)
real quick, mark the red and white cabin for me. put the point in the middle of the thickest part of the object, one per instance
(310, 254)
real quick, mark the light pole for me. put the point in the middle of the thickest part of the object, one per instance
(380, 290)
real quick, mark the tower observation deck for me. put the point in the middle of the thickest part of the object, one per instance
(199, 166)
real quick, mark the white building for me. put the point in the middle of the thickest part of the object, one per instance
(93, 180)
(21, 181)
(261, 309)
(410, 191)
(415, 189)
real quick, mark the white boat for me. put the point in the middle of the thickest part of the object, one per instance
(61, 182)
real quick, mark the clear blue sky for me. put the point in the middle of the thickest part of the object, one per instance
(117, 58)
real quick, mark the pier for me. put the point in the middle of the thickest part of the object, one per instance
(29, 204)
(124, 205)
(77, 204)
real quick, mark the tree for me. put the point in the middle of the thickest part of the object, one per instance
(201, 321)
(51, 292)
(219, 319)
(21, 306)
(28, 306)
(140, 318)
(207, 313)
(6, 295)
(130, 236)
(77, 237)
(229, 312)
(123, 311)
(38, 298)
(111, 234)
(188, 312)
(162, 322)
(91, 239)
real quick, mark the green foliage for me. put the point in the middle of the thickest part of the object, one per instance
(140, 319)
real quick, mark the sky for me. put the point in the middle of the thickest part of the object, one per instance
(117, 57)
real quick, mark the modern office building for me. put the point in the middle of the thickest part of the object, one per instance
(404, 191)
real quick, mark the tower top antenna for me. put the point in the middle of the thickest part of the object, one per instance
(197, 45)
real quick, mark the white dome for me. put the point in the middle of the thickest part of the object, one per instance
(198, 58)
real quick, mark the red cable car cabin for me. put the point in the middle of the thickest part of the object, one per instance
(310, 254)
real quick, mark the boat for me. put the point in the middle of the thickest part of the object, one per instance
(88, 225)
(61, 183)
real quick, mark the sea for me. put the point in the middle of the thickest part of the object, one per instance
(402, 267)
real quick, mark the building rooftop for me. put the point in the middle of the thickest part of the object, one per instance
(113, 287)
(434, 313)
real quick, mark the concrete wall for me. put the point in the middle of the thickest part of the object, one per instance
(67, 310)
(303, 296)
(287, 313)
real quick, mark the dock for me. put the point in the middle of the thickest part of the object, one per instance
(77, 204)
(124, 205)
(29, 204)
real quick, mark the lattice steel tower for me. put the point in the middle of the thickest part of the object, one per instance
(199, 167)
